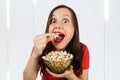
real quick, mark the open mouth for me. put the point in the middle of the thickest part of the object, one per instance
(59, 38)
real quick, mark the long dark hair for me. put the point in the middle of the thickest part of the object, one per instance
(73, 47)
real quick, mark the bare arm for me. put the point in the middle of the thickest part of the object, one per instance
(31, 69)
(69, 74)
(84, 76)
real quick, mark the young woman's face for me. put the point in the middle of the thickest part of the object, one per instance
(61, 23)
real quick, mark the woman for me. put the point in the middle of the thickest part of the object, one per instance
(62, 21)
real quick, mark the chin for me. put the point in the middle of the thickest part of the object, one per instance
(59, 48)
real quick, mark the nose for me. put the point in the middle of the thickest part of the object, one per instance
(57, 27)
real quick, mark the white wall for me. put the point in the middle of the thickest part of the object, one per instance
(28, 19)
(113, 42)
(16, 41)
(3, 42)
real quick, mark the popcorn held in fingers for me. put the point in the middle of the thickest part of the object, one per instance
(56, 35)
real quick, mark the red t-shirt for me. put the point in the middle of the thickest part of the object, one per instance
(85, 65)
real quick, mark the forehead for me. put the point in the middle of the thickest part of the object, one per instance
(62, 11)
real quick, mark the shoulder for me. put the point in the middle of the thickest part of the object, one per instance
(84, 46)
(85, 60)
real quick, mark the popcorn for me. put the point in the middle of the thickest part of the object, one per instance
(56, 36)
(57, 56)
(57, 61)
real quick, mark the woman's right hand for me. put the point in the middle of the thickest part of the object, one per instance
(40, 42)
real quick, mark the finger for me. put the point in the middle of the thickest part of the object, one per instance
(49, 39)
(70, 67)
(53, 74)
(50, 36)
(44, 38)
(37, 38)
(40, 38)
(40, 46)
(45, 35)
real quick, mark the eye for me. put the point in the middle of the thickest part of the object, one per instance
(53, 20)
(65, 21)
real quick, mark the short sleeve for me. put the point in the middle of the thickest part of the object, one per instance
(85, 61)
(32, 51)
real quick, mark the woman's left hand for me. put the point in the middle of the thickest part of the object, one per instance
(67, 74)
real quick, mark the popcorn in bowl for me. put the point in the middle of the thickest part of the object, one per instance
(57, 61)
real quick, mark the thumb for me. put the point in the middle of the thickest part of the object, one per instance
(50, 38)
(70, 67)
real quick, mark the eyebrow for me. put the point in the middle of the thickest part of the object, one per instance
(67, 15)
(63, 15)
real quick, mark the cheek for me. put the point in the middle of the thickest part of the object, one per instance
(70, 31)
(50, 29)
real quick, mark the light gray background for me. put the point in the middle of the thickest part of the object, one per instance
(28, 20)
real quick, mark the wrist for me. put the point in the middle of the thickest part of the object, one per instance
(35, 55)
(73, 77)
